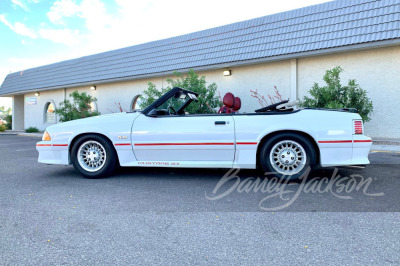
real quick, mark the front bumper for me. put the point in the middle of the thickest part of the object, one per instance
(53, 153)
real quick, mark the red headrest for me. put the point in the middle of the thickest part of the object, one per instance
(237, 104)
(229, 100)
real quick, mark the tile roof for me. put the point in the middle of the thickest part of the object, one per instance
(329, 25)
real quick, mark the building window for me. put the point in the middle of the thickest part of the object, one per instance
(136, 102)
(93, 107)
(49, 115)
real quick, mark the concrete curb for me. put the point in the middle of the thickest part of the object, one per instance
(387, 148)
(7, 134)
(35, 135)
(385, 145)
(391, 143)
(11, 132)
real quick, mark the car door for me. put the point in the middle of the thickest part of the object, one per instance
(184, 140)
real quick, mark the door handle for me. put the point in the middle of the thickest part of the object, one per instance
(220, 122)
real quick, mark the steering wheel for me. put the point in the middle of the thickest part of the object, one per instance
(170, 108)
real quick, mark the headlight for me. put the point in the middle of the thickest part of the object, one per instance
(46, 136)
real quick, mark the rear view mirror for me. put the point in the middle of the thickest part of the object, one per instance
(193, 97)
(179, 94)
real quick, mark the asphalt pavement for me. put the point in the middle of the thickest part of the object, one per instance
(49, 214)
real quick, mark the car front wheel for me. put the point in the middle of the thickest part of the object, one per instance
(93, 156)
(287, 155)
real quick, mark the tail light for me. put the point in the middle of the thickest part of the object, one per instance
(358, 127)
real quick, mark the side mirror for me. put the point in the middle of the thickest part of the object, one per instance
(152, 113)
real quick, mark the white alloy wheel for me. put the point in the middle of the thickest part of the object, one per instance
(91, 156)
(288, 157)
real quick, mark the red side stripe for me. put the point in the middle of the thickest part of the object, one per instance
(49, 145)
(246, 143)
(179, 144)
(343, 141)
(335, 141)
(122, 144)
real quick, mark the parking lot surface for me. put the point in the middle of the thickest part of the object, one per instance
(51, 215)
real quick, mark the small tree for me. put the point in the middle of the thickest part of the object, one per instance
(8, 119)
(263, 101)
(6, 115)
(32, 130)
(192, 82)
(335, 96)
(80, 108)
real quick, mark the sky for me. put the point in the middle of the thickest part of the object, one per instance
(40, 32)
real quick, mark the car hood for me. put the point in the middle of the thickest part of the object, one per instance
(94, 120)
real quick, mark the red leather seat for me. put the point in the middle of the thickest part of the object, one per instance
(237, 104)
(229, 102)
(232, 104)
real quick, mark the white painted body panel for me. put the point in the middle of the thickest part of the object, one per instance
(196, 141)
(185, 138)
(111, 126)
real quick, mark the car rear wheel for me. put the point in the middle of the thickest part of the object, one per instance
(287, 155)
(93, 156)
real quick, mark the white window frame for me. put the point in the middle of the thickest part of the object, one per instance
(46, 105)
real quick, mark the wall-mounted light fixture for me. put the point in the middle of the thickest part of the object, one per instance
(37, 94)
(227, 72)
(93, 88)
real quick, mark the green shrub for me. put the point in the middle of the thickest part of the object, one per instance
(2, 128)
(79, 108)
(8, 119)
(31, 130)
(335, 96)
(192, 82)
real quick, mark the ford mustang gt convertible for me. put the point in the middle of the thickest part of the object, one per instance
(278, 138)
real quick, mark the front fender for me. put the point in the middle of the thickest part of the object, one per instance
(116, 128)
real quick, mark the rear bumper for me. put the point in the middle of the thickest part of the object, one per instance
(361, 148)
(345, 152)
(53, 153)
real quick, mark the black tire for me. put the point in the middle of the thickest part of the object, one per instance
(277, 142)
(107, 165)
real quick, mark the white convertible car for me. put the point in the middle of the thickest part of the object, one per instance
(276, 138)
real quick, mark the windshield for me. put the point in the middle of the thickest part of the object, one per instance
(175, 103)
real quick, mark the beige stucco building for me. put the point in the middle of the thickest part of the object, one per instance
(329, 36)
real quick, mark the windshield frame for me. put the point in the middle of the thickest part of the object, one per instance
(174, 92)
